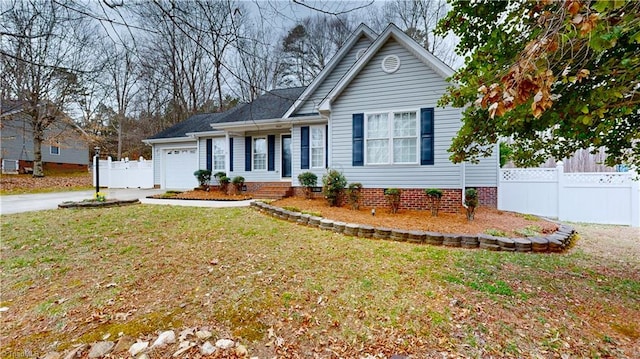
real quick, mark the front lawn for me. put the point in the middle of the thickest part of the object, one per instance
(77, 276)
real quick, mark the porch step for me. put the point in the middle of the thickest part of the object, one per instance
(274, 192)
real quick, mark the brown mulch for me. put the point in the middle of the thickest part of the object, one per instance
(212, 195)
(485, 218)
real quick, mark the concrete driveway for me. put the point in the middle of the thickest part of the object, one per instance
(43, 201)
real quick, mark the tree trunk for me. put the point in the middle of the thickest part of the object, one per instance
(38, 170)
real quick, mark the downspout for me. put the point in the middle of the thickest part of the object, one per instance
(464, 183)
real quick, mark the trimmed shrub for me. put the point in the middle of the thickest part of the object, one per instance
(434, 195)
(393, 198)
(471, 202)
(238, 183)
(333, 184)
(354, 193)
(204, 177)
(308, 180)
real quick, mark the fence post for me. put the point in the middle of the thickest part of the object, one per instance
(109, 171)
(635, 198)
(560, 182)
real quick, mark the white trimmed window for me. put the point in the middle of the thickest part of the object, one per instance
(391, 138)
(218, 154)
(317, 147)
(259, 154)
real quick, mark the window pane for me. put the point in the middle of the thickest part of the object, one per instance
(218, 162)
(316, 137)
(260, 145)
(377, 151)
(404, 124)
(317, 159)
(404, 150)
(377, 125)
(260, 153)
(218, 146)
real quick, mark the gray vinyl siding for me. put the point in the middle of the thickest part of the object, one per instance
(296, 161)
(332, 79)
(257, 176)
(17, 143)
(485, 173)
(412, 87)
(157, 154)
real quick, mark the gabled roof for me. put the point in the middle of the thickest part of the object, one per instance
(270, 105)
(392, 31)
(361, 30)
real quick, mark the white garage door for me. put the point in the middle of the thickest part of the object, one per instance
(179, 167)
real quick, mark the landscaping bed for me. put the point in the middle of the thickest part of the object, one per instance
(203, 195)
(487, 220)
(99, 204)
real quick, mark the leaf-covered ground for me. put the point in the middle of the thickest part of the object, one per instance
(22, 183)
(284, 290)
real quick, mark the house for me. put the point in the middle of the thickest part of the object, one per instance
(371, 114)
(64, 148)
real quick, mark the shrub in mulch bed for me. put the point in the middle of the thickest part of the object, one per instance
(556, 242)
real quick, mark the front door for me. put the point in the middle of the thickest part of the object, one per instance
(286, 156)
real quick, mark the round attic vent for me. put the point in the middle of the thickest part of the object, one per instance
(390, 64)
(360, 53)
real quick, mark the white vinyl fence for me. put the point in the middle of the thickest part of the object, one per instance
(601, 197)
(124, 173)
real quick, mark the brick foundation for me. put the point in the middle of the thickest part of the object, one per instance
(488, 196)
(415, 198)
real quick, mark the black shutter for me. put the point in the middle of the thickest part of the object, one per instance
(271, 152)
(304, 147)
(209, 154)
(358, 139)
(426, 136)
(231, 154)
(326, 146)
(247, 153)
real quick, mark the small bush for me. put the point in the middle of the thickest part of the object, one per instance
(393, 198)
(223, 181)
(308, 180)
(204, 177)
(333, 184)
(219, 175)
(471, 201)
(354, 193)
(435, 196)
(238, 183)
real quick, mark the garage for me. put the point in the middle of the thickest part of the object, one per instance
(179, 165)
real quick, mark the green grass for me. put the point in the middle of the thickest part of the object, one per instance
(242, 273)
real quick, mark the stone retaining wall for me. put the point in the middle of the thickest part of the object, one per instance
(556, 242)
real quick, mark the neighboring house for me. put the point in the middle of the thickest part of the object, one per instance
(64, 147)
(371, 114)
